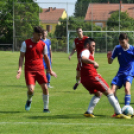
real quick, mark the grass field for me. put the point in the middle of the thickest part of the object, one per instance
(66, 105)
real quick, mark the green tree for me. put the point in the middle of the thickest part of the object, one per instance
(23, 13)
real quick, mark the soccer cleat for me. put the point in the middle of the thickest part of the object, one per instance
(75, 86)
(46, 111)
(89, 115)
(122, 116)
(113, 115)
(28, 105)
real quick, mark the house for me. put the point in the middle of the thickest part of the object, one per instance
(99, 13)
(49, 18)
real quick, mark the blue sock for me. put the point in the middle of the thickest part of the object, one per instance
(48, 77)
(127, 99)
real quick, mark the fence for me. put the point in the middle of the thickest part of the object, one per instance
(102, 21)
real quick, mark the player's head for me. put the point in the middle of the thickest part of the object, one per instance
(90, 44)
(45, 33)
(79, 32)
(37, 33)
(123, 39)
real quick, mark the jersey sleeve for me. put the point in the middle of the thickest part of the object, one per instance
(23, 47)
(85, 53)
(114, 53)
(45, 50)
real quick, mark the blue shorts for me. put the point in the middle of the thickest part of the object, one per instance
(45, 66)
(121, 80)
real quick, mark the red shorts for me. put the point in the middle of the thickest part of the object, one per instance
(78, 67)
(94, 84)
(32, 76)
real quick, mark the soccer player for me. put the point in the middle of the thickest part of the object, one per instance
(125, 54)
(33, 51)
(48, 44)
(78, 46)
(94, 83)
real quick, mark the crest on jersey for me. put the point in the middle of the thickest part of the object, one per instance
(30, 46)
(119, 53)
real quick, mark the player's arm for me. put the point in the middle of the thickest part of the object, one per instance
(111, 55)
(85, 59)
(21, 59)
(72, 52)
(89, 61)
(48, 62)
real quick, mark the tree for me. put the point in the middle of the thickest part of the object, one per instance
(25, 13)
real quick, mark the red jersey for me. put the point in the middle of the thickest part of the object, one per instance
(79, 44)
(33, 55)
(88, 69)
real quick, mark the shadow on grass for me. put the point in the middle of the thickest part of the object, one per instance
(10, 112)
(68, 116)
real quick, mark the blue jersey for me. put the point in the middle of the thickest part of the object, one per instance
(48, 43)
(125, 59)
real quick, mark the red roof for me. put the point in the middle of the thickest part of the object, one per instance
(103, 11)
(51, 15)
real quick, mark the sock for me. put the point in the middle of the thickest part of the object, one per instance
(93, 103)
(127, 99)
(29, 97)
(78, 80)
(48, 77)
(46, 101)
(114, 102)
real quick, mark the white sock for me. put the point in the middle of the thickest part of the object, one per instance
(29, 97)
(46, 101)
(114, 102)
(93, 103)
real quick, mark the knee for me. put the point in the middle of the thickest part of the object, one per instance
(127, 91)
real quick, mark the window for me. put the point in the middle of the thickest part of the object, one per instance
(49, 28)
(99, 24)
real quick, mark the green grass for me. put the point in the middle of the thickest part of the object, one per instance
(67, 106)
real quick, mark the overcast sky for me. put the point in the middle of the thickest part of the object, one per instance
(58, 4)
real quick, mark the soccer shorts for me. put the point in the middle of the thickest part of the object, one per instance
(32, 76)
(121, 80)
(94, 84)
(45, 65)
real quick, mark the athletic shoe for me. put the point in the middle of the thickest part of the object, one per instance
(122, 116)
(89, 115)
(113, 115)
(46, 111)
(28, 105)
(49, 86)
(75, 86)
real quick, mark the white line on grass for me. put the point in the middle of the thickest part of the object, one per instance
(56, 124)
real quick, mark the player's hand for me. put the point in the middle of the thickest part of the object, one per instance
(18, 74)
(109, 54)
(52, 73)
(96, 65)
(69, 57)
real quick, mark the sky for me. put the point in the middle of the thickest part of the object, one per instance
(69, 5)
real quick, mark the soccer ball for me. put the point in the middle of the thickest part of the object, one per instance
(127, 110)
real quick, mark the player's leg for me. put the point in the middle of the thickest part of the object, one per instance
(127, 93)
(30, 82)
(30, 92)
(48, 78)
(42, 80)
(78, 79)
(95, 99)
(45, 97)
(114, 102)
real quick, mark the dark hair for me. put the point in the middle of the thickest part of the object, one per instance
(38, 29)
(123, 36)
(88, 41)
(78, 28)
